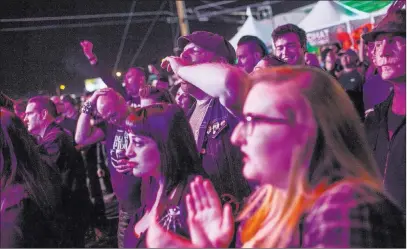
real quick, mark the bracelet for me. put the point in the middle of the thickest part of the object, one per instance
(88, 108)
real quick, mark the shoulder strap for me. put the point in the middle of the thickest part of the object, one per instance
(175, 198)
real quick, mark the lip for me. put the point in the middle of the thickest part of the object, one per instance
(132, 164)
(245, 157)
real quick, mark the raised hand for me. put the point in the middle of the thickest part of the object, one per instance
(173, 63)
(209, 225)
(87, 48)
(98, 93)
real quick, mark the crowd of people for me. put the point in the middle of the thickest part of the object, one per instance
(234, 148)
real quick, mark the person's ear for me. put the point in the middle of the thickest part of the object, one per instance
(257, 56)
(43, 114)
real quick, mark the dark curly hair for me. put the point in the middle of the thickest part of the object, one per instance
(290, 28)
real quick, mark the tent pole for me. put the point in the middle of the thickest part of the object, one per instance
(183, 21)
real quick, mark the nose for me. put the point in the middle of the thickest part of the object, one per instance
(385, 50)
(240, 62)
(283, 51)
(237, 137)
(130, 151)
(186, 56)
(25, 119)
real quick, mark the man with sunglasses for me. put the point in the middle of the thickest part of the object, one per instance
(386, 123)
(212, 123)
(110, 106)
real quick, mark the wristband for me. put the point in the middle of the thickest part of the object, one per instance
(88, 108)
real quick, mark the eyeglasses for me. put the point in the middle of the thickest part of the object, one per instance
(249, 120)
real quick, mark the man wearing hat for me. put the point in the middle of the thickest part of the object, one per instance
(212, 124)
(351, 80)
(386, 122)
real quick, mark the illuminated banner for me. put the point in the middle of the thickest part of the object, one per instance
(329, 35)
(94, 84)
(318, 38)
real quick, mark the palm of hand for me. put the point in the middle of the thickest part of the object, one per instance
(209, 225)
(208, 222)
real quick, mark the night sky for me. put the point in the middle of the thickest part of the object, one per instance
(40, 60)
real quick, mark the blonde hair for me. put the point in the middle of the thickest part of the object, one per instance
(339, 153)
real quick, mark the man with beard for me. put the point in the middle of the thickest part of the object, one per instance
(250, 50)
(212, 123)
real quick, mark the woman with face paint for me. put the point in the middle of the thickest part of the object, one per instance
(162, 152)
(319, 186)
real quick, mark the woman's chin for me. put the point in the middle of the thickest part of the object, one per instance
(137, 173)
(248, 173)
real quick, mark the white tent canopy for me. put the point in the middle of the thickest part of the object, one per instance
(329, 13)
(263, 29)
(324, 14)
(252, 27)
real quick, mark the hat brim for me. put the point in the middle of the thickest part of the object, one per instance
(183, 41)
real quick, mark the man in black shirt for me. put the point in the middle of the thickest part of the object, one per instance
(350, 78)
(386, 123)
(352, 81)
(58, 148)
(112, 108)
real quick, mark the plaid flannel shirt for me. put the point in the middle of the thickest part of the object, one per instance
(351, 216)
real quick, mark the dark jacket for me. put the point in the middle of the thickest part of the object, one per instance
(173, 218)
(58, 148)
(23, 224)
(221, 160)
(390, 154)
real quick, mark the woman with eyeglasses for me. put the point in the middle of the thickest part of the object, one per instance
(318, 182)
(162, 152)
